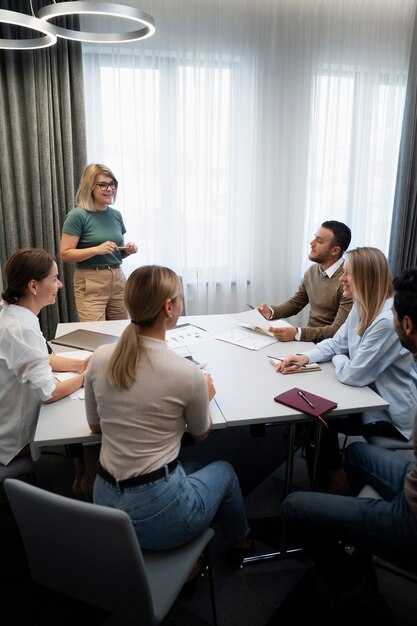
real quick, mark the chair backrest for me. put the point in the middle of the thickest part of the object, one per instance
(84, 550)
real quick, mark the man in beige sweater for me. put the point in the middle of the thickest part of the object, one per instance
(320, 287)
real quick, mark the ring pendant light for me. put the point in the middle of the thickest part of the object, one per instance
(48, 31)
(82, 7)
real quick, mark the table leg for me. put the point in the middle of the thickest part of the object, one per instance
(285, 552)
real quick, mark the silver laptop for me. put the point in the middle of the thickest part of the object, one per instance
(84, 339)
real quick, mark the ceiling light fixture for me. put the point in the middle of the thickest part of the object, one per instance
(22, 20)
(50, 32)
(82, 7)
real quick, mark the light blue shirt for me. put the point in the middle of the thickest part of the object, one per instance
(376, 359)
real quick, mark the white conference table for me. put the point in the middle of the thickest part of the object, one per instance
(245, 381)
(246, 384)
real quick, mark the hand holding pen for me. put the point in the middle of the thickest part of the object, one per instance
(291, 362)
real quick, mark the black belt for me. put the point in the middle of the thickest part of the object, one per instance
(162, 472)
(100, 267)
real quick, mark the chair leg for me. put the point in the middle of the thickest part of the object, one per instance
(207, 554)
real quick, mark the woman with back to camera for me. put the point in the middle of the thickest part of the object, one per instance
(92, 238)
(140, 395)
(365, 350)
(25, 366)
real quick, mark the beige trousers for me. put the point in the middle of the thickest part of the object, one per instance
(99, 294)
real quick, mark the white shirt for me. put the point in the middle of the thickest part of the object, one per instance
(26, 378)
(333, 268)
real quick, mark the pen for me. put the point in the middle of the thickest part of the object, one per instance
(300, 393)
(250, 306)
(277, 358)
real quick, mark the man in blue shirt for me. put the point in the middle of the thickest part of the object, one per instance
(325, 524)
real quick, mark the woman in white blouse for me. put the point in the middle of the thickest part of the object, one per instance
(25, 366)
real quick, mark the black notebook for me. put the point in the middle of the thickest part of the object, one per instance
(84, 339)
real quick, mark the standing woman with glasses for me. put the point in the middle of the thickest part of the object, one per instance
(93, 239)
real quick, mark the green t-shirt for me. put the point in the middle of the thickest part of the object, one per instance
(94, 228)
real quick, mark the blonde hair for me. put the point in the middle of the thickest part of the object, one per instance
(146, 291)
(371, 283)
(84, 195)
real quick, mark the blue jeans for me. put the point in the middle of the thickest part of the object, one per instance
(386, 528)
(170, 512)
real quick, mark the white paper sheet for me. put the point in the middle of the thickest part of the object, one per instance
(246, 338)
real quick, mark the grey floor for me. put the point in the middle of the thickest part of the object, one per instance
(250, 596)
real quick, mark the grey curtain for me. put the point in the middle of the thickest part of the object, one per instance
(42, 153)
(403, 240)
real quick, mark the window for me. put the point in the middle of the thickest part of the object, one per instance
(356, 130)
(235, 132)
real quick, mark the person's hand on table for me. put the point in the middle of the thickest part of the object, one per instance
(291, 362)
(210, 386)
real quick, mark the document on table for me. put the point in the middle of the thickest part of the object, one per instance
(246, 338)
(60, 376)
(256, 322)
(186, 335)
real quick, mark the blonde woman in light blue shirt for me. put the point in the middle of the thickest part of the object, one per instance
(366, 351)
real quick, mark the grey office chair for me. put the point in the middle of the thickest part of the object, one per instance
(91, 553)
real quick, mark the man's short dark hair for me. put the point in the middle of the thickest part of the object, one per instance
(405, 297)
(341, 233)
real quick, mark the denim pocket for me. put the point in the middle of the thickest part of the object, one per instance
(164, 512)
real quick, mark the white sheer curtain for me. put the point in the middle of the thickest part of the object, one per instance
(242, 125)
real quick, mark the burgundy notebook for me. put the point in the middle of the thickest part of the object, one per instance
(306, 402)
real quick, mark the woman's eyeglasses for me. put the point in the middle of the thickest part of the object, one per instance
(105, 186)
